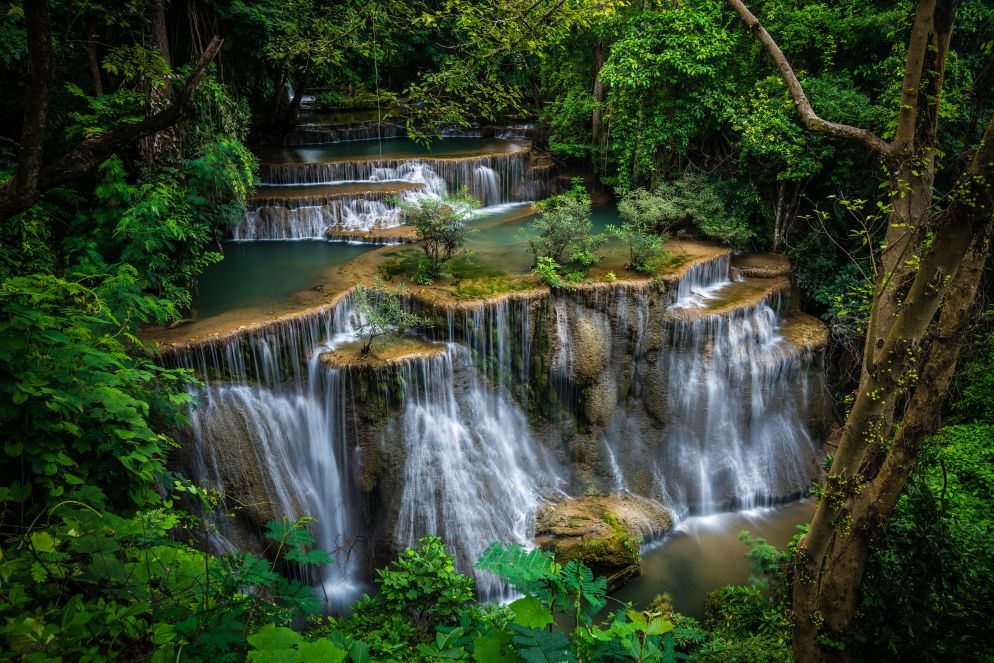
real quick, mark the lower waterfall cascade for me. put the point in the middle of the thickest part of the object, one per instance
(643, 389)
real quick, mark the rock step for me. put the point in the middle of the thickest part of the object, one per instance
(387, 351)
(805, 332)
(394, 235)
(762, 265)
(318, 194)
(603, 532)
(446, 151)
(736, 296)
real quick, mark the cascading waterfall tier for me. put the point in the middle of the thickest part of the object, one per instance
(269, 432)
(691, 392)
(323, 134)
(735, 397)
(369, 189)
(472, 473)
(695, 398)
(310, 218)
(456, 172)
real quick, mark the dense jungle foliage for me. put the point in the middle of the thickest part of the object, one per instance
(124, 160)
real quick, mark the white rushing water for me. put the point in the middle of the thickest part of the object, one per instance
(727, 426)
(736, 432)
(495, 180)
(472, 473)
(274, 426)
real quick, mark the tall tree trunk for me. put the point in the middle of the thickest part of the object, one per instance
(870, 509)
(159, 31)
(27, 172)
(92, 57)
(911, 164)
(873, 460)
(290, 117)
(85, 157)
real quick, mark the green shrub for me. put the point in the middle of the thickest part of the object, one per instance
(563, 231)
(548, 271)
(382, 311)
(713, 207)
(441, 228)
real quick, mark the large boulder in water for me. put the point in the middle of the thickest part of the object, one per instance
(602, 532)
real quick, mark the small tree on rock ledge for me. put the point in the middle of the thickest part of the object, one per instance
(440, 224)
(381, 311)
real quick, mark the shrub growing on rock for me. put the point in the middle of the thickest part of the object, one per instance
(440, 225)
(563, 231)
(381, 311)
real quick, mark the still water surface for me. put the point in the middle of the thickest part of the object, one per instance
(703, 553)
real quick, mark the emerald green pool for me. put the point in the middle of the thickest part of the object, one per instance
(256, 273)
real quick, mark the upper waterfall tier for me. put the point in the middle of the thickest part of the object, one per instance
(327, 128)
(493, 178)
(397, 149)
(302, 212)
(352, 189)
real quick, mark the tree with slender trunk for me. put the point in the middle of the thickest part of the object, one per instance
(32, 176)
(933, 254)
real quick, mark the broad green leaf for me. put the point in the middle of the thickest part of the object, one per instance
(530, 613)
(324, 651)
(42, 542)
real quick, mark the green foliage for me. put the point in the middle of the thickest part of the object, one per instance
(440, 225)
(161, 229)
(569, 587)
(767, 561)
(976, 403)
(381, 311)
(848, 297)
(645, 247)
(668, 73)
(422, 586)
(714, 208)
(563, 231)
(279, 644)
(548, 271)
(76, 408)
(90, 585)
(929, 582)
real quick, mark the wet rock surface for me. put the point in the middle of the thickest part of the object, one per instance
(602, 532)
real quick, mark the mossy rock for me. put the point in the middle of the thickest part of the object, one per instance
(604, 533)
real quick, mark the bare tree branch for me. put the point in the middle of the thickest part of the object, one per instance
(810, 119)
(89, 154)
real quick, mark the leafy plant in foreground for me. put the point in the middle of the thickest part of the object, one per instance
(563, 231)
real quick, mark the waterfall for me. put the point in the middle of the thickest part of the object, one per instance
(271, 429)
(282, 223)
(323, 134)
(311, 222)
(736, 433)
(472, 474)
(487, 184)
(456, 173)
(696, 409)
(702, 281)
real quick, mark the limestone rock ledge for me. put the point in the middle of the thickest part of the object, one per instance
(603, 532)
(762, 265)
(389, 350)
